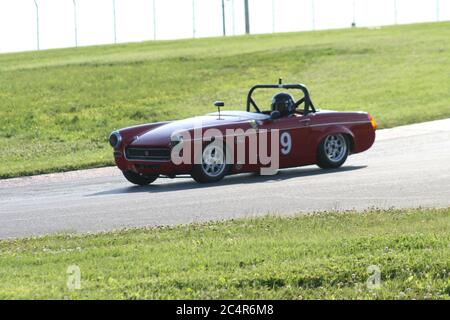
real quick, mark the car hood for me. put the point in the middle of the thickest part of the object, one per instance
(161, 135)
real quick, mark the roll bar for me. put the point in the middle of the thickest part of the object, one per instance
(309, 107)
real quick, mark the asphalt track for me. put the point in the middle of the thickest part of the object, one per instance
(407, 167)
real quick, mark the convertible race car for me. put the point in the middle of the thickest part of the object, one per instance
(291, 133)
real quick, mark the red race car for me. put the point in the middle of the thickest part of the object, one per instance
(291, 134)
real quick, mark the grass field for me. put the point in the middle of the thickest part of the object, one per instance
(57, 107)
(302, 257)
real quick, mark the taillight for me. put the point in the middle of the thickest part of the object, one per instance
(373, 122)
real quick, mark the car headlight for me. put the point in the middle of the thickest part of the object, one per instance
(115, 139)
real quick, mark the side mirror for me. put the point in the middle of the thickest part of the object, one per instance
(275, 115)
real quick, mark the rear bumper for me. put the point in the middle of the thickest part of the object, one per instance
(364, 138)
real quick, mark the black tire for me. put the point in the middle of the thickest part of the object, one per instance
(200, 173)
(332, 151)
(140, 179)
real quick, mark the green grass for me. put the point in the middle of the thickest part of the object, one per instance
(57, 107)
(302, 257)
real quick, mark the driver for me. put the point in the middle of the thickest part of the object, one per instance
(284, 103)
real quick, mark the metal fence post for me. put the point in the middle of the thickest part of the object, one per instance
(37, 23)
(247, 17)
(233, 15)
(75, 22)
(437, 10)
(154, 20)
(114, 21)
(193, 18)
(354, 13)
(223, 19)
(395, 11)
(273, 16)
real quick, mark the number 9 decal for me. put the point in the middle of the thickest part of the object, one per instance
(286, 143)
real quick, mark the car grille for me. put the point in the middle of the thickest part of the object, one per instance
(151, 154)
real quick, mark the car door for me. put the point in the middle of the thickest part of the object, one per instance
(292, 138)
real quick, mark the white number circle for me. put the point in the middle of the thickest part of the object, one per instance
(286, 143)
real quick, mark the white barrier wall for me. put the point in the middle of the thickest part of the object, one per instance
(139, 20)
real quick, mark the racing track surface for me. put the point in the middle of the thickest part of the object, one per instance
(407, 167)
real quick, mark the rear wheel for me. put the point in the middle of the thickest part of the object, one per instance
(140, 179)
(332, 151)
(213, 166)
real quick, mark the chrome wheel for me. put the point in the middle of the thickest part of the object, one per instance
(335, 147)
(213, 160)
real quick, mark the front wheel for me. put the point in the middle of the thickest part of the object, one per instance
(332, 151)
(140, 179)
(213, 166)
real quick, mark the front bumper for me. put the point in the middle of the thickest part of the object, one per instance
(165, 167)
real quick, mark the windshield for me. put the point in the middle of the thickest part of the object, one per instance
(241, 114)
